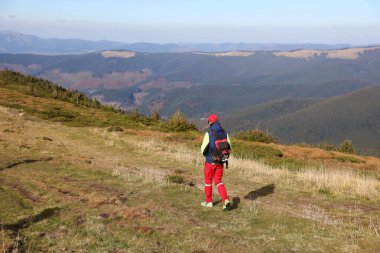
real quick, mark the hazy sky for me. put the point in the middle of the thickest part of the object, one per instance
(163, 21)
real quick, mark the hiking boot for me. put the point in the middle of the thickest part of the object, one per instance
(209, 204)
(227, 205)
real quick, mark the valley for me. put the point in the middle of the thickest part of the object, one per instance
(230, 84)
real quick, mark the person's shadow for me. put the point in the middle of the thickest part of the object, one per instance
(25, 223)
(252, 195)
(261, 192)
(235, 202)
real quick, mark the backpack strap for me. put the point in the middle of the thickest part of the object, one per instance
(224, 134)
(214, 134)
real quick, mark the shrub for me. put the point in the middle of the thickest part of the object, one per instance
(155, 116)
(328, 146)
(256, 135)
(251, 151)
(347, 147)
(324, 190)
(178, 122)
(115, 129)
(59, 114)
(135, 114)
(175, 179)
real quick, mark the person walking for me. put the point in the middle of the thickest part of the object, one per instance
(216, 148)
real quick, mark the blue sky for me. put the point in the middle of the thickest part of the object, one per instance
(215, 21)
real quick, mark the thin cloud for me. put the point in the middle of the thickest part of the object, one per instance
(11, 16)
(73, 21)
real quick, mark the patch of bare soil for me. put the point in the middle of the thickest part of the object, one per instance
(135, 213)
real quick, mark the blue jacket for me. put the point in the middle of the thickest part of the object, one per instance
(209, 141)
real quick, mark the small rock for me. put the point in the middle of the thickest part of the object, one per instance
(104, 215)
(80, 220)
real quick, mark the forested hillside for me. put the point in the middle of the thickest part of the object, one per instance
(354, 116)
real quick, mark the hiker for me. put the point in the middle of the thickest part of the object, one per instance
(216, 148)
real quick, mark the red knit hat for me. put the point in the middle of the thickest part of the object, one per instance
(213, 118)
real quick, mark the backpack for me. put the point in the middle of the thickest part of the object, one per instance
(222, 150)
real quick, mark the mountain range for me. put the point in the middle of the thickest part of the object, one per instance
(13, 42)
(300, 96)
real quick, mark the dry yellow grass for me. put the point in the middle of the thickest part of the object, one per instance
(298, 152)
(303, 54)
(349, 54)
(327, 158)
(228, 53)
(254, 170)
(338, 182)
(107, 152)
(120, 54)
(141, 174)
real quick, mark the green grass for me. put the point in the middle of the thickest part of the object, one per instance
(252, 151)
(349, 159)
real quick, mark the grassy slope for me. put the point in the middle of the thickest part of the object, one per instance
(66, 188)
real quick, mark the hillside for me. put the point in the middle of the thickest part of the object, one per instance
(200, 83)
(253, 117)
(84, 188)
(198, 100)
(50, 101)
(354, 116)
(168, 81)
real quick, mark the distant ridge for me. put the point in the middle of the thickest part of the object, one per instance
(13, 42)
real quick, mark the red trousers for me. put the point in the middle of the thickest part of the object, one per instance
(214, 172)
